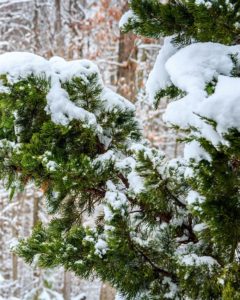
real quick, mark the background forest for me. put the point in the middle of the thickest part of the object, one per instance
(72, 29)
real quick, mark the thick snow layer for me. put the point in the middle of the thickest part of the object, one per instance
(195, 151)
(223, 106)
(159, 77)
(17, 65)
(76, 68)
(191, 69)
(116, 100)
(20, 65)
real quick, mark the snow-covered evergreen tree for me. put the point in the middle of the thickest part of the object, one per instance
(164, 229)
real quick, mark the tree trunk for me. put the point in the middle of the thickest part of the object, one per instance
(127, 54)
(67, 286)
(107, 292)
(36, 27)
(17, 212)
(36, 198)
(35, 209)
(58, 28)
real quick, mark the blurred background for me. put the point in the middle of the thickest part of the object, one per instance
(72, 29)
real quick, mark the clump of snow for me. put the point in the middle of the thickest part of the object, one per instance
(195, 65)
(223, 105)
(199, 227)
(136, 182)
(76, 68)
(173, 288)
(101, 247)
(108, 213)
(207, 3)
(103, 159)
(63, 110)
(125, 18)
(51, 165)
(154, 155)
(194, 259)
(191, 69)
(194, 150)
(115, 200)
(89, 239)
(19, 65)
(159, 77)
(111, 100)
(194, 197)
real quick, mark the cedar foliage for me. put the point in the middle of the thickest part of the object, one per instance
(139, 237)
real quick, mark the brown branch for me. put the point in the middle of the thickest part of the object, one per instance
(156, 268)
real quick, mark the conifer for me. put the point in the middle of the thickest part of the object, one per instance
(165, 229)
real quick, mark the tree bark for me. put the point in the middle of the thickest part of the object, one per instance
(17, 212)
(36, 27)
(35, 209)
(67, 286)
(107, 292)
(127, 55)
(58, 28)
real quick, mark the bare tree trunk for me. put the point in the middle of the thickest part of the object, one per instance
(107, 292)
(36, 27)
(14, 267)
(76, 12)
(127, 54)
(17, 212)
(58, 28)
(67, 286)
(35, 209)
(36, 198)
(1, 235)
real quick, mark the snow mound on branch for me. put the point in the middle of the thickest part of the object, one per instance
(191, 70)
(126, 18)
(76, 68)
(18, 65)
(193, 259)
(159, 77)
(112, 100)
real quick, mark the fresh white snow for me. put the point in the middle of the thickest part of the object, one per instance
(159, 77)
(191, 69)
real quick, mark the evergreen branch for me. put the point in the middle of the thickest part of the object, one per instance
(157, 269)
